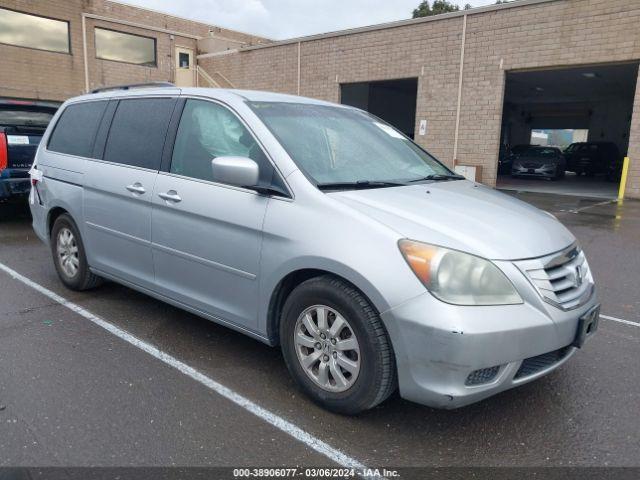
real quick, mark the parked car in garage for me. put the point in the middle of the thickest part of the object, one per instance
(506, 161)
(536, 161)
(593, 158)
(316, 227)
(22, 124)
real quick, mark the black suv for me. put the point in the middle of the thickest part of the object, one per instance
(22, 124)
(593, 158)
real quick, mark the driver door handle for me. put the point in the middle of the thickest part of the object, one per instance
(136, 188)
(170, 196)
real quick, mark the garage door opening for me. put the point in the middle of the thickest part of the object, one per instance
(394, 101)
(578, 119)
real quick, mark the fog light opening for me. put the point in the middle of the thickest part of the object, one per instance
(481, 376)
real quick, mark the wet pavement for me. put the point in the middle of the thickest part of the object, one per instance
(571, 184)
(76, 395)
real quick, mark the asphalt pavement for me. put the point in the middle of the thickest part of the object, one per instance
(75, 394)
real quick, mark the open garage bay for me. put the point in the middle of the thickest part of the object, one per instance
(584, 114)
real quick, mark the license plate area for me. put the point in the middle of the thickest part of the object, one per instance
(587, 326)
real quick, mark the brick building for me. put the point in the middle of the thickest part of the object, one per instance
(48, 67)
(467, 85)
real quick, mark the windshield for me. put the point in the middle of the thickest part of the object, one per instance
(341, 145)
(540, 153)
(572, 147)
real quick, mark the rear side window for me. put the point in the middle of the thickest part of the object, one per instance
(138, 131)
(76, 129)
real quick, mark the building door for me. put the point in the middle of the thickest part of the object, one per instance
(185, 68)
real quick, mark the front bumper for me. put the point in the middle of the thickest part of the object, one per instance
(547, 171)
(440, 347)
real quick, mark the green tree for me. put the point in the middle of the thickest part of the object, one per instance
(439, 6)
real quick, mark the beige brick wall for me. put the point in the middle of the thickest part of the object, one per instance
(29, 73)
(555, 34)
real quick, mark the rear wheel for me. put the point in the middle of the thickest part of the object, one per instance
(69, 255)
(336, 347)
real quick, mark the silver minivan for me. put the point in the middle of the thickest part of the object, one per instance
(316, 227)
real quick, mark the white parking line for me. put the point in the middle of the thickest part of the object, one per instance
(620, 320)
(287, 427)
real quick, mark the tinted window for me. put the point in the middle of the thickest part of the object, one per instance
(124, 47)
(208, 130)
(76, 129)
(138, 131)
(30, 31)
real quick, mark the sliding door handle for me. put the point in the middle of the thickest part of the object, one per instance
(170, 196)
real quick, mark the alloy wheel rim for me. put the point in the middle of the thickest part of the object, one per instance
(327, 348)
(67, 249)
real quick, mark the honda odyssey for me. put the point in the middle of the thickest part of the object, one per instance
(316, 227)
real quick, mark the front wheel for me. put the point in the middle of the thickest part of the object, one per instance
(336, 347)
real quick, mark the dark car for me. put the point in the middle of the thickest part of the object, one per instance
(593, 158)
(22, 124)
(535, 161)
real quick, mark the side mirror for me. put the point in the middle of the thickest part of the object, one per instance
(237, 171)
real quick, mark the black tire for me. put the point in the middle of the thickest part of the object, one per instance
(83, 279)
(376, 379)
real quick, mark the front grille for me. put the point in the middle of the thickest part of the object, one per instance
(536, 364)
(562, 279)
(484, 375)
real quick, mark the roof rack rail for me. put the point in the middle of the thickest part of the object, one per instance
(134, 85)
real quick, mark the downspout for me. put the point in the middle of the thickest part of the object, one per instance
(84, 53)
(299, 46)
(460, 77)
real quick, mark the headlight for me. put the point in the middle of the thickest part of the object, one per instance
(458, 278)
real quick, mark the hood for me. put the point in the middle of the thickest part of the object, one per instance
(464, 216)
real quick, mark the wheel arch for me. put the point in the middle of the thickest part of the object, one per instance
(53, 215)
(293, 278)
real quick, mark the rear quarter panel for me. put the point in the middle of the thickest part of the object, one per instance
(60, 187)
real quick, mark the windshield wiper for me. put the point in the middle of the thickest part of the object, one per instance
(438, 178)
(360, 184)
